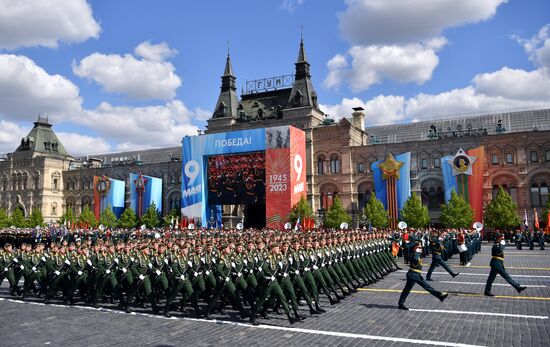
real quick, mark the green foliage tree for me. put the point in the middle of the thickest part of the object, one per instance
(17, 218)
(87, 217)
(68, 217)
(414, 213)
(4, 218)
(457, 213)
(150, 218)
(336, 214)
(170, 218)
(501, 212)
(108, 218)
(36, 218)
(128, 219)
(302, 209)
(375, 213)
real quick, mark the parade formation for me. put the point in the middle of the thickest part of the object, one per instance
(251, 271)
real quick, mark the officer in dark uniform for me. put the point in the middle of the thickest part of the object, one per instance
(437, 250)
(414, 275)
(497, 267)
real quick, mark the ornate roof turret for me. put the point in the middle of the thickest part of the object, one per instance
(42, 139)
(227, 101)
(302, 93)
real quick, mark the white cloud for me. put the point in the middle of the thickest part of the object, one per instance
(496, 91)
(290, 5)
(27, 90)
(413, 62)
(78, 144)
(140, 127)
(515, 84)
(398, 40)
(381, 109)
(158, 52)
(538, 47)
(27, 23)
(137, 78)
(404, 21)
(10, 136)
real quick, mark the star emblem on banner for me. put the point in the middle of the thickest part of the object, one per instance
(462, 163)
(390, 167)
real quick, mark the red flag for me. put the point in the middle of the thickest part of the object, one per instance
(537, 226)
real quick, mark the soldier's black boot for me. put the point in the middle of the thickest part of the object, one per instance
(153, 304)
(291, 319)
(167, 311)
(297, 315)
(403, 307)
(443, 296)
(312, 310)
(319, 308)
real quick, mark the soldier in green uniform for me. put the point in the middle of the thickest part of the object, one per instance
(224, 283)
(437, 249)
(414, 275)
(497, 267)
(270, 286)
(8, 261)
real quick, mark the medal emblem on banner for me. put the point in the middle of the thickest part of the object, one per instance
(390, 172)
(103, 185)
(462, 163)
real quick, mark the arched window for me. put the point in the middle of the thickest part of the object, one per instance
(327, 196)
(535, 195)
(514, 193)
(364, 193)
(543, 194)
(534, 157)
(174, 201)
(334, 164)
(432, 194)
(86, 202)
(321, 165)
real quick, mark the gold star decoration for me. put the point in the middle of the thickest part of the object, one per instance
(390, 167)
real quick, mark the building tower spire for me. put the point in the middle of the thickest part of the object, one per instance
(302, 93)
(227, 101)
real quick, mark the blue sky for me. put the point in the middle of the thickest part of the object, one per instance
(117, 75)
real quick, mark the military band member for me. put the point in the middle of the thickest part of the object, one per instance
(437, 249)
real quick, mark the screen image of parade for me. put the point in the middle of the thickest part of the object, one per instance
(236, 179)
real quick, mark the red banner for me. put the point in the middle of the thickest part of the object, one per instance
(475, 183)
(285, 174)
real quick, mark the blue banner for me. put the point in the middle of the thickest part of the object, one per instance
(449, 181)
(150, 193)
(404, 181)
(115, 197)
(403, 184)
(379, 184)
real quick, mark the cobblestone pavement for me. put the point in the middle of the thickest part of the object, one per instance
(369, 317)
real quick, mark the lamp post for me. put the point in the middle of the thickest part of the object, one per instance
(363, 221)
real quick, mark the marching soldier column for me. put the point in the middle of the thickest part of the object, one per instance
(252, 272)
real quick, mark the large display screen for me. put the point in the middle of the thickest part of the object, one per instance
(236, 179)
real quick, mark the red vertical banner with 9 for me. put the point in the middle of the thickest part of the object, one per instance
(285, 172)
(298, 181)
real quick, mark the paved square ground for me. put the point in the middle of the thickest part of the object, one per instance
(369, 317)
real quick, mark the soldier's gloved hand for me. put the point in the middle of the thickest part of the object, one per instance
(141, 277)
